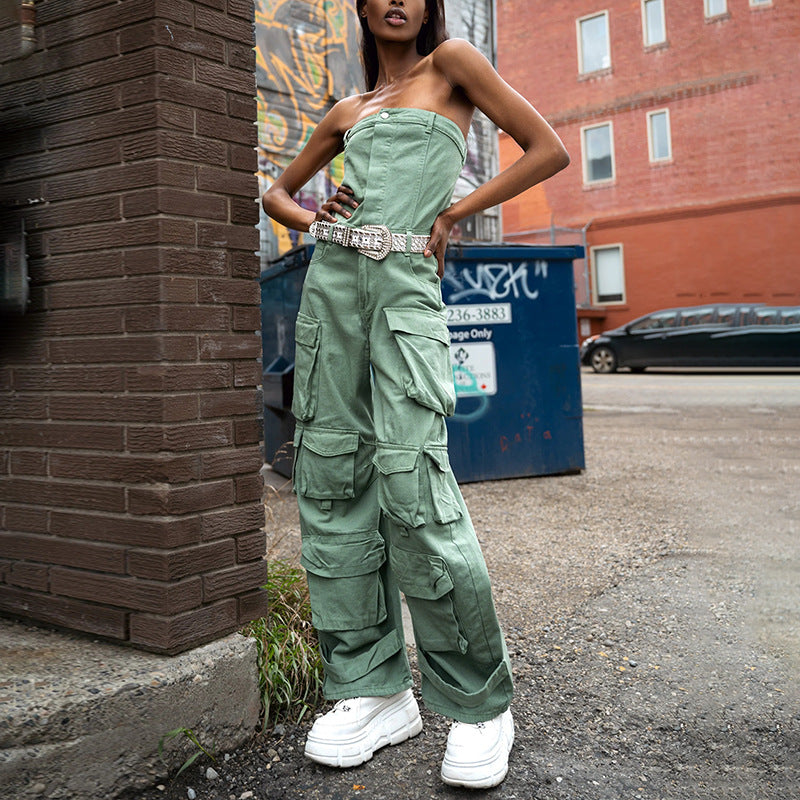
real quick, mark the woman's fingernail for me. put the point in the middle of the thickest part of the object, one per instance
(348, 214)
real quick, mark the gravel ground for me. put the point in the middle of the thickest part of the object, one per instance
(651, 608)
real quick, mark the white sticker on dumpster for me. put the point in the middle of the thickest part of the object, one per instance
(474, 370)
(485, 313)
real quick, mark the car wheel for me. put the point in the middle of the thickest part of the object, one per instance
(604, 360)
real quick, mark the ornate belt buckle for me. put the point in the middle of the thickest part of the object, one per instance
(385, 239)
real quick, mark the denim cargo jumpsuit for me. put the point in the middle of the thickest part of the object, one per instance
(379, 506)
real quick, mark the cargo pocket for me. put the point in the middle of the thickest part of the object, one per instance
(325, 464)
(428, 587)
(446, 507)
(399, 484)
(343, 572)
(424, 342)
(306, 337)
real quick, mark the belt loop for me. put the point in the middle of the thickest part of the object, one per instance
(431, 121)
(408, 242)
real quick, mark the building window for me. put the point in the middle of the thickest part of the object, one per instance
(653, 22)
(659, 140)
(760, 2)
(594, 51)
(597, 144)
(609, 274)
(716, 7)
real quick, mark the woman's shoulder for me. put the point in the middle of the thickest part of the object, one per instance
(454, 45)
(345, 112)
(454, 50)
(455, 58)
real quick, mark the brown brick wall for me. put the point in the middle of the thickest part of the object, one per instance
(130, 501)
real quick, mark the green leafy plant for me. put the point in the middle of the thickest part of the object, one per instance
(290, 668)
(192, 737)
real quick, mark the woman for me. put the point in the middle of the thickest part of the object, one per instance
(379, 507)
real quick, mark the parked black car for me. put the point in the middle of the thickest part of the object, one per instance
(719, 335)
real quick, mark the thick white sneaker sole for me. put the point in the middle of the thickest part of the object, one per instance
(392, 723)
(486, 770)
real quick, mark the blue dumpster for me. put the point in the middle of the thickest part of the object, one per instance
(281, 287)
(514, 350)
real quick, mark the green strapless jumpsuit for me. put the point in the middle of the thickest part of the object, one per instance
(379, 506)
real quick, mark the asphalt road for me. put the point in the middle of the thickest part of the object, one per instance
(673, 389)
(651, 605)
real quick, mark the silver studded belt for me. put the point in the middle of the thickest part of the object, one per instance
(375, 241)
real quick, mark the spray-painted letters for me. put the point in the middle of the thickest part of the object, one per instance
(496, 281)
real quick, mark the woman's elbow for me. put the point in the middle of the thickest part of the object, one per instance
(268, 201)
(560, 158)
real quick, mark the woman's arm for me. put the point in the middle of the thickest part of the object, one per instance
(322, 146)
(543, 153)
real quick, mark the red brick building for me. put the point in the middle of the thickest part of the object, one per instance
(683, 123)
(130, 499)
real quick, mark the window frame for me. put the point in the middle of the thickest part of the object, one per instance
(728, 315)
(790, 316)
(664, 159)
(707, 13)
(593, 255)
(581, 70)
(638, 326)
(660, 42)
(760, 3)
(689, 317)
(584, 161)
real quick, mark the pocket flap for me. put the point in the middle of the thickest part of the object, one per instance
(344, 555)
(306, 330)
(326, 442)
(418, 321)
(389, 461)
(420, 575)
(439, 457)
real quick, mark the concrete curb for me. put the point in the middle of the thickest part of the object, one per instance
(83, 718)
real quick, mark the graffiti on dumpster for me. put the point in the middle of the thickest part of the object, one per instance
(524, 433)
(495, 281)
(465, 378)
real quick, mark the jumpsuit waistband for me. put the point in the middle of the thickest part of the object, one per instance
(375, 241)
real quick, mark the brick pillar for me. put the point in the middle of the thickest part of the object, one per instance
(130, 498)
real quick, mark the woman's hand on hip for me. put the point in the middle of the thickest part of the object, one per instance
(437, 244)
(337, 203)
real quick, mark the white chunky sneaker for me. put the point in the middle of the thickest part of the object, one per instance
(477, 754)
(354, 729)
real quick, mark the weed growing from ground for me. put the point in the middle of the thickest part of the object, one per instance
(290, 669)
(193, 738)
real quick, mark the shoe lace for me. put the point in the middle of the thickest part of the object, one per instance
(340, 706)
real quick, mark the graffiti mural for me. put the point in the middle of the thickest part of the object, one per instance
(473, 20)
(307, 58)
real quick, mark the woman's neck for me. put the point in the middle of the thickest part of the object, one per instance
(395, 61)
